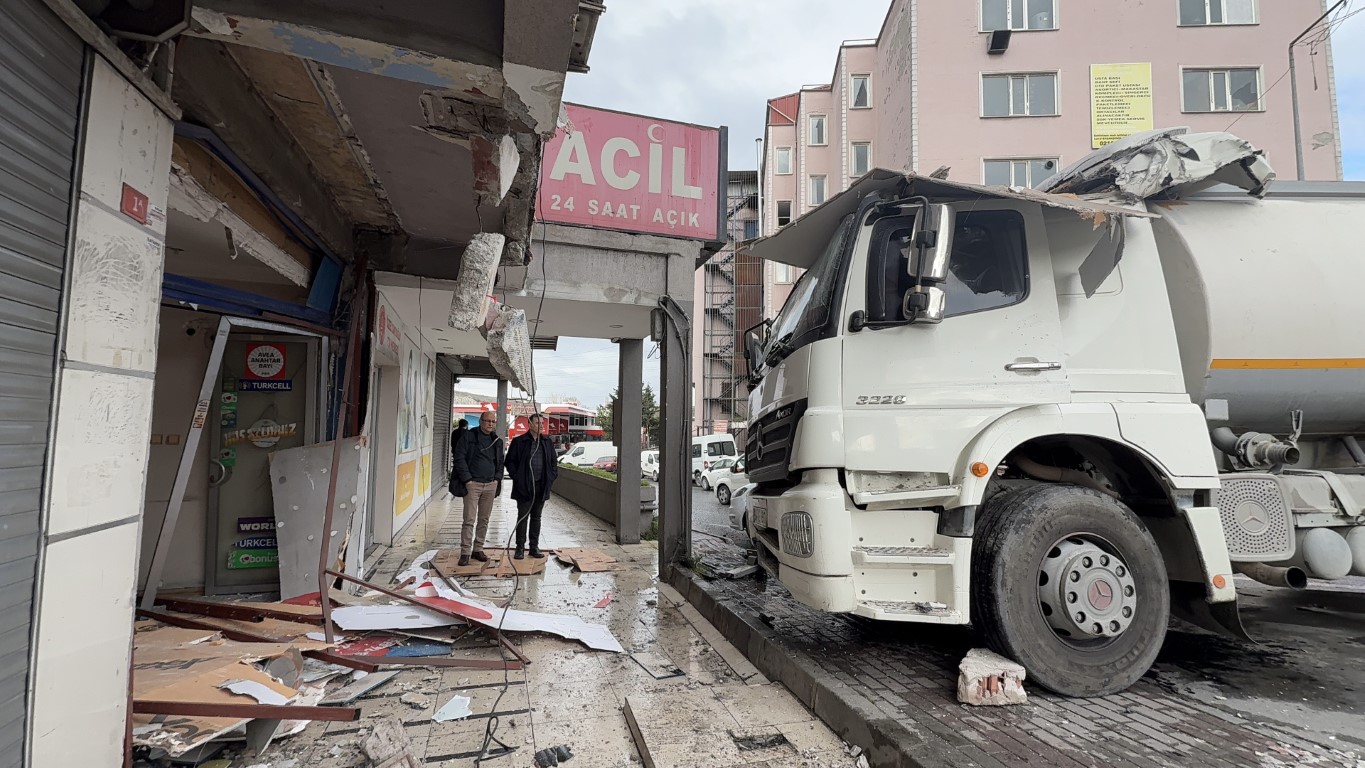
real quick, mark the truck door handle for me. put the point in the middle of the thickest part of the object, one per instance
(1033, 367)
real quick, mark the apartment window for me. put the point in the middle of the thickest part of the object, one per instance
(1198, 13)
(817, 190)
(862, 158)
(783, 273)
(1222, 90)
(1019, 15)
(1019, 95)
(862, 91)
(784, 161)
(750, 229)
(817, 130)
(784, 212)
(1019, 172)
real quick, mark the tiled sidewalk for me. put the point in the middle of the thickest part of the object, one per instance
(568, 695)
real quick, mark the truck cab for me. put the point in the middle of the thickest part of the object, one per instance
(972, 409)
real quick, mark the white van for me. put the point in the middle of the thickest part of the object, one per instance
(649, 465)
(709, 448)
(587, 454)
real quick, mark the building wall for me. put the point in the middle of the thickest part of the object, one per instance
(894, 87)
(98, 464)
(951, 47)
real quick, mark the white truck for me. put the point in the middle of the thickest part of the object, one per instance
(1062, 416)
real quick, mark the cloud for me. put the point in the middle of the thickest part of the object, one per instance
(715, 62)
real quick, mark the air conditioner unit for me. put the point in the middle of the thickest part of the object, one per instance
(999, 42)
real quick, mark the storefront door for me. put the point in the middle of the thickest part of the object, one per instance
(266, 401)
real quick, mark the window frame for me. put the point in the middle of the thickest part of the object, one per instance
(981, 18)
(1255, 16)
(1029, 159)
(777, 163)
(777, 212)
(852, 104)
(784, 274)
(1056, 93)
(1226, 70)
(824, 130)
(824, 192)
(853, 154)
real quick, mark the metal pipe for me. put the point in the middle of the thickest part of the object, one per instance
(1353, 447)
(1294, 88)
(1052, 474)
(1225, 440)
(1291, 577)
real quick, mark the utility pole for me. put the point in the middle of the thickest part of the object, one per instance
(1294, 87)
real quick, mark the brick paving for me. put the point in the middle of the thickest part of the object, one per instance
(908, 675)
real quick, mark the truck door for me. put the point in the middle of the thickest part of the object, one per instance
(916, 395)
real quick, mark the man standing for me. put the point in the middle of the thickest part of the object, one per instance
(531, 462)
(478, 467)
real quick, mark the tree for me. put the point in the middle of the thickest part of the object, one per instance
(650, 415)
(604, 414)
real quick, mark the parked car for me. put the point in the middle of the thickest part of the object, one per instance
(587, 454)
(727, 480)
(707, 450)
(739, 508)
(649, 465)
(716, 468)
(608, 463)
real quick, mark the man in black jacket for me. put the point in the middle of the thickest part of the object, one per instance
(478, 469)
(531, 462)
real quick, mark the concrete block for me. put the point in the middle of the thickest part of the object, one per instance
(989, 679)
(495, 161)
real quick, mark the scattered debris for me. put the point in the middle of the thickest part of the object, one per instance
(604, 602)
(455, 709)
(988, 679)
(660, 667)
(418, 650)
(415, 700)
(586, 560)
(388, 746)
(546, 758)
(930, 606)
(740, 572)
(500, 564)
(749, 743)
(359, 688)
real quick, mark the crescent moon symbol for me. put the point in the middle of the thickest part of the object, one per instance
(651, 133)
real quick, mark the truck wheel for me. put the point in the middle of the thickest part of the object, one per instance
(1069, 583)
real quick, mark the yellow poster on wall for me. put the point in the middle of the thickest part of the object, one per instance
(405, 483)
(1120, 101)
(424, 486)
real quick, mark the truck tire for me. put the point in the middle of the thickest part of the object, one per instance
(1094, 640)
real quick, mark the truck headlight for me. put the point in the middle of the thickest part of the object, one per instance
(798, 534)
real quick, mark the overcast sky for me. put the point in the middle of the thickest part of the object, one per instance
(715, 62)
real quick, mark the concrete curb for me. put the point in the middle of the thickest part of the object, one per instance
(888, 743)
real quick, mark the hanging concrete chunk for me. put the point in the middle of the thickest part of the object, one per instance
(987, 679)
(509, 347)
(478, 269)
(495, 166)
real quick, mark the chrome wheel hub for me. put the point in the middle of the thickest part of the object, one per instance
(1086, 592)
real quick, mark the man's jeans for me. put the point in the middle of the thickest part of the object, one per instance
(478, 505)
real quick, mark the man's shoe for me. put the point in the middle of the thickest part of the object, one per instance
(520, 554)
(535, 552)
(480, 556)
(464, 560)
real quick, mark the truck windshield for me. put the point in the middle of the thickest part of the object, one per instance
(807, 310)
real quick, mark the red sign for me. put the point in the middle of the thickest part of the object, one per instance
(265, 362)
(629, 172)
(134, 204)
(387, 330)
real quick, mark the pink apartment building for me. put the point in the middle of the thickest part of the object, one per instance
(941, 86)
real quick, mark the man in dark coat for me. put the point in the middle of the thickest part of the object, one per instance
(478, 471)
(531, 463)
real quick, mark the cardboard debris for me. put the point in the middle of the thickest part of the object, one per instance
(586, 560)
(500, 564)
(291, 632)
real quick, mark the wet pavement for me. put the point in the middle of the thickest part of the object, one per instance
(568, 694)
(1295, 698)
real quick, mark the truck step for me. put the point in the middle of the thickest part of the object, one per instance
(928, 613)
(902, 556)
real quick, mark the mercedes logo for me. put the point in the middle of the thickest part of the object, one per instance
(1252, 517)
(1101, 595)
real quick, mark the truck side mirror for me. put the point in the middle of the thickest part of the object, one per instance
(933, 241)
(924, 305)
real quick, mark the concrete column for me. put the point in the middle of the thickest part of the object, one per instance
(504, 423)
(675, 448)
(627, 436)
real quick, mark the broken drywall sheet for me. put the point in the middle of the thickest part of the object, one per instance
(359, 618)
(255, 690)
(595, 636)
(299, 484)
(455, 709)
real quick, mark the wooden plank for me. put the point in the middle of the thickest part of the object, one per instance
(190, 622)
(445, 661)
(241, 611)
(251, 711)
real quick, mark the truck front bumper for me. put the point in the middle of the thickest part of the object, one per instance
(804, 540)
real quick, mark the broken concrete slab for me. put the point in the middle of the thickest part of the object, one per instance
(987, 679)
(387, 746)
(478, 270)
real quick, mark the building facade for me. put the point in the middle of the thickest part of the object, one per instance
(1010, 91)
(729, 299)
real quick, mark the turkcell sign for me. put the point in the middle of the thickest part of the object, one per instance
(255, 525)
(251, 385)
(614, 170)
(257, 542)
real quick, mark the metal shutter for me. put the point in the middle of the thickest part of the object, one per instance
(41, 66)
(445, 389)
